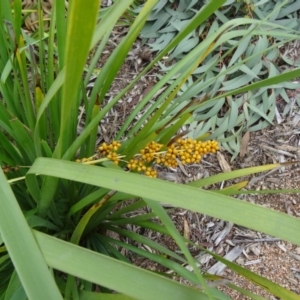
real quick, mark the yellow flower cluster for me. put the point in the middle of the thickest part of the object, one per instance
(110, 151)
(146, 156)
(139, 165)
(187, 151)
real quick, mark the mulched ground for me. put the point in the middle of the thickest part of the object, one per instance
(277, 260)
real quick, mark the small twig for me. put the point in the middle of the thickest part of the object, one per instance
(279, 151)
(256, 240)
(255, 179)
(252, 262)
(295, 256)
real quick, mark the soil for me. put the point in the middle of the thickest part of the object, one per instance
(278, 261)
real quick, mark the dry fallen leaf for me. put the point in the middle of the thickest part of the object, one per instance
(182, 168)
(244, 144)
(187, 231)
(223, 163)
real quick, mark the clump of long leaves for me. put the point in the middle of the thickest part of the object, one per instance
(236, 61)
(55, 213)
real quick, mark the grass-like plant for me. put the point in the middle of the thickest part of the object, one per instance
(55, 212)
(257, 56)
